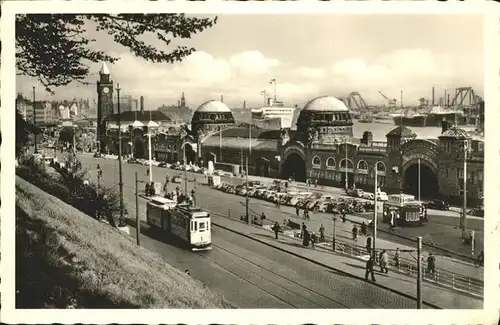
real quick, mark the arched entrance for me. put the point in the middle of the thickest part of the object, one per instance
(429, 186)
(294, 166)
(139, 148)
(190, 153)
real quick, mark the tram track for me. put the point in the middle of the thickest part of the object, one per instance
(290, 288)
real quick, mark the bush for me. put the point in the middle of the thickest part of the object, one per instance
(69, 187)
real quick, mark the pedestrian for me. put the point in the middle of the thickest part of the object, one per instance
(276, 229)
(363, 229)
(306, 238)
(146, 189)
(369, 245)
(302, 230)
(369, 269)
(396, 257)
(313, 239)
(322, 233)
(316, 183)
(355, 233)
(297, 210)
(431, 264)
(384, 261)
(147, 171)
(343, 215)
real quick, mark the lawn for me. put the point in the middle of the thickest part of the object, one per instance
(66, 259)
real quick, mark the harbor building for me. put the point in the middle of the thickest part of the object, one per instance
(323, 149)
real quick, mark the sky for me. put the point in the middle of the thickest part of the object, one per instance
(309, 55)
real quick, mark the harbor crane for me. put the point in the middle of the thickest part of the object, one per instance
(390, 102)
(355, 101)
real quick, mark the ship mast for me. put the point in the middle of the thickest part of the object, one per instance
(273, 82)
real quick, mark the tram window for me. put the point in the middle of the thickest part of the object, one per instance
(202, 226)
(195, 226)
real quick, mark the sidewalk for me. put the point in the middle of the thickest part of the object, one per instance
(343, 232)
(395, 281)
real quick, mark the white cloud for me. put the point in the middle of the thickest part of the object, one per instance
(253, 62)
(311, 73)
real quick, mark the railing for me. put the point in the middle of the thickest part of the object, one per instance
(455, 281)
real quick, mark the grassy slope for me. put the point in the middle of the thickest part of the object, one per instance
(65, 258)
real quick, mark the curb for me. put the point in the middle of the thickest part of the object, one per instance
(327, 266)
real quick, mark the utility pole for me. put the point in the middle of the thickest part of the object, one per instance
(120, 182)
(34, 119)
(185, 173)
(375, 216)
(346, 174)
(137, 222)
(464, 208)
(194, 196)
(247, 200)
(419, 179)
(334, 232)
(419, 278)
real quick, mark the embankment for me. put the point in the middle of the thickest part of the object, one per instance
(66, 259)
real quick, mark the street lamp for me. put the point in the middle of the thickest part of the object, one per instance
(345, 165)
(151, 125)
(467, 149)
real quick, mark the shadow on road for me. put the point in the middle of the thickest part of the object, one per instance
(157, 235)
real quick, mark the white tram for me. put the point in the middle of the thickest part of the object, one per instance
(185, 222)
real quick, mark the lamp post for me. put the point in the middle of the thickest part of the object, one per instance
(346, 174)
(467, 150)
(121, 222)
(247, 200)
(375, 216)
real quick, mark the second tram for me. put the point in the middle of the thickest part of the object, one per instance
(403, 210)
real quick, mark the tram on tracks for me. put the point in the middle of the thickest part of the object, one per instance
(184, 222)
(403, 210)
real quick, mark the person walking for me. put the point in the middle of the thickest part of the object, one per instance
(431, 264)
(313, 239)
(363, 229)
(302, 230)
(297, 210)
(276, 229)
(343, 215)
(384, 261)
(369, 269)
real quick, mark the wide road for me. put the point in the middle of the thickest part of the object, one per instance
(248, 273)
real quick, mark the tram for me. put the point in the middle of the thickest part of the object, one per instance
(185, 222)
(403, 210)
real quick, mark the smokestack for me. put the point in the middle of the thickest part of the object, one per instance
(433, 96)
(448, 101)
(142, 103)
(445, 102)
(244, 104)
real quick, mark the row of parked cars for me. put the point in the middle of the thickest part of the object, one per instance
(304, 200)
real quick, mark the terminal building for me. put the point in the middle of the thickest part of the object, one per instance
(323, 149)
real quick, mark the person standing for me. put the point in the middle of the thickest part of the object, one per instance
(384, 261)
(313, 239)
(369, 245)
(297, 210)
(355, 233)
(276, 229)
(369, 269)
(322, 233)
(396, 257)
(431, 264)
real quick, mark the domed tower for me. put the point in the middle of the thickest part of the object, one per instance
(324, 119)
(209, 118)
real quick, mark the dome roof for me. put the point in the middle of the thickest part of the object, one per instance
(401, 131)
(455, 133)
(213, 106)
(325, 104)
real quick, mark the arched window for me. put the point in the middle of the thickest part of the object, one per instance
(380, 166)
(330, 162)
(316, 161)
(349, 163)
(362, 165)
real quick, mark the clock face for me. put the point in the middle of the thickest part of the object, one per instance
(106, 90)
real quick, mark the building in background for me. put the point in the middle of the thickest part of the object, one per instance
(180, 113)
(127, 104)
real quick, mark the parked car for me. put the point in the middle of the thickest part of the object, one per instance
(323, 205)
(355, 192)
(368, 196)
(477, 212)
(176, 179)
(382, 196)
(437, 205)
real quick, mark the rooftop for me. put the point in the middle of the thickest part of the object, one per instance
(141, 116)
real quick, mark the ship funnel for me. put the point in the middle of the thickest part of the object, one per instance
(142, 103)
(433, 96)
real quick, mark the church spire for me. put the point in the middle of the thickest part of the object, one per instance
(104, 69)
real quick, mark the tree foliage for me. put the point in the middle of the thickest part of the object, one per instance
(56, 48)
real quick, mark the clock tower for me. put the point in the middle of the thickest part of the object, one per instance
(104, 105)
